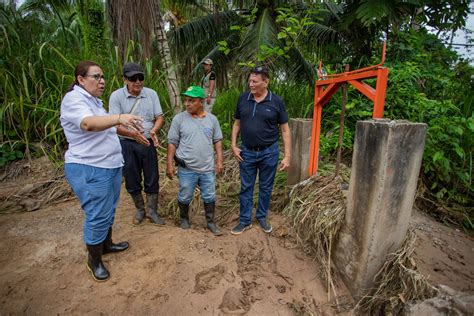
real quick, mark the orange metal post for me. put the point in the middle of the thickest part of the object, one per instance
(314, 149)
(381, 89)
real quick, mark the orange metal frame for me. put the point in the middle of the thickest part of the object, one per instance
(332, 84)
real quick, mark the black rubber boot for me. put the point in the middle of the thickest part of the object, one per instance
(184, 215)
(94, 263)
(110, 247)
(152, 203)
(210, 209)
(140, 206)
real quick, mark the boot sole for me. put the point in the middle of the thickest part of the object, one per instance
(93, 276)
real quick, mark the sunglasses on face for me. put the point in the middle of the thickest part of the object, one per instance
(96, 77)
(136, 77)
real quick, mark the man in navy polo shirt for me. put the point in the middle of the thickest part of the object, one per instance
(258, 117)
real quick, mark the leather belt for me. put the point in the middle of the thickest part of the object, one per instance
(258, 148)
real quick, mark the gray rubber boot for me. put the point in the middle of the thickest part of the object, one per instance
(140, 206)
(210, 210)
(152, 205)
(184, 215)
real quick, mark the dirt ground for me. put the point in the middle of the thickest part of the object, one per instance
(168, 271)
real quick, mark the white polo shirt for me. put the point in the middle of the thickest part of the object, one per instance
(98, 149)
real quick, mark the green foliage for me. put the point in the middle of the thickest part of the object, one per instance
(298, 97)
(329, 142)
(36, 71)
(10, 153)
(224, 109)
(93, 28)
(428, 89)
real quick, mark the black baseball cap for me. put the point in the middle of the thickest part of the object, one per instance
(130, 69)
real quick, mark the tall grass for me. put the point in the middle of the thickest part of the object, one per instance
(31, 98)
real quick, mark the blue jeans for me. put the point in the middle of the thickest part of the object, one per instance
(188, 180)
(264, 163)
(98, 190)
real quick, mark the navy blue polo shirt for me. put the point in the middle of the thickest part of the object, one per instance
(259, 122)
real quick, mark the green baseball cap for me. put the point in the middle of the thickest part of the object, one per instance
(195, 92)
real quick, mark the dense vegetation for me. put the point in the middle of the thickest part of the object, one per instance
(41, 41)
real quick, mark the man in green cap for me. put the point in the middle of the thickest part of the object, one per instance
(192, 135)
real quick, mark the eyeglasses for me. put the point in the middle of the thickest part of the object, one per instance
(97, 77)
(136, 77)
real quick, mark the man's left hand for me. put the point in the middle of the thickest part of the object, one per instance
(154, 138)
(170, 171)
(219, 167)
(284, 164)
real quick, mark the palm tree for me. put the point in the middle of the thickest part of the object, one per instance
(243, 36)
(172, 82)
(83, 19)
(128, 17)
(248, 32)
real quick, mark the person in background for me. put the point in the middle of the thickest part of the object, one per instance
(139, 147)
(191, 138)
(259, 115)
(93, 161)
(208, 82)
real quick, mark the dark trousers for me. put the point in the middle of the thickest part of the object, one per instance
(140, 159)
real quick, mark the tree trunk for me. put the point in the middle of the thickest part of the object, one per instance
(125, 19)
(172, 82)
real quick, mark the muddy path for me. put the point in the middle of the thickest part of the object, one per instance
(168, 271)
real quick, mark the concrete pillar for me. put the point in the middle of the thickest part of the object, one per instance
(385, 167)
(300, 144)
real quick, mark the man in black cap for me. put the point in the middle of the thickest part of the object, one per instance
(138, 148)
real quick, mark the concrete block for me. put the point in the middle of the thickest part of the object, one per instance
(385, 167)
(300, 146)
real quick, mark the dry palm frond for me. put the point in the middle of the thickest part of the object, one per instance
(317, 208)
(36, 195)
(398, 282)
